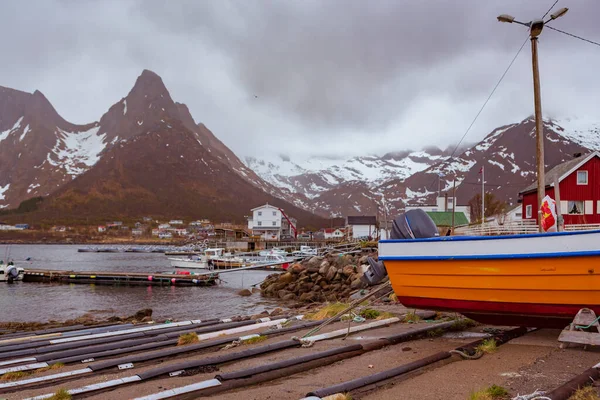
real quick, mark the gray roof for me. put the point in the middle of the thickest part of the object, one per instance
(560, 170)
(362, 220)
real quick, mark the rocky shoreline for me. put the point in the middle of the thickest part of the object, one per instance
(319, 279)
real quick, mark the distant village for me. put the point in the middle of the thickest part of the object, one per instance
(578, 204)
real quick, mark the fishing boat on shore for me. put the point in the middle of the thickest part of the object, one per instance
(539, 280)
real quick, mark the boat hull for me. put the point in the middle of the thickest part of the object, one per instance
(501, 281)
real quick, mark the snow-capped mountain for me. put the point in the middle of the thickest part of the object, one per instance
(368, 185)
(39, 150)
(146, 155)
(313, 176)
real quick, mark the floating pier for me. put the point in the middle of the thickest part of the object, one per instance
(119, 278)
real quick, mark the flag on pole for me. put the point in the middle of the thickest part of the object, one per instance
(481, 170)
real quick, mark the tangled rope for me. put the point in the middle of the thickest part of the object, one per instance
(233, 344)
(466, 356)
(305, 343)
(537, 395)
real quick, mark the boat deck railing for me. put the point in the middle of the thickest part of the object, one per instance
(514, 228)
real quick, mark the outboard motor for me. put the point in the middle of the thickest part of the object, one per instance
(11, 273)
(413, 224)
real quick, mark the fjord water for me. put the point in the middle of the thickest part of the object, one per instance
(40, 302)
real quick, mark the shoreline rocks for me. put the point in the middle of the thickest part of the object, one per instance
(318, 279)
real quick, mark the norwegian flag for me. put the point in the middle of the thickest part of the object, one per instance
(481, 170)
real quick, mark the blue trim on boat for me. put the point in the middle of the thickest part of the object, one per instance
(464, 238)
(493, 256)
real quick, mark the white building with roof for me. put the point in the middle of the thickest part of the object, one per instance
(271, 223)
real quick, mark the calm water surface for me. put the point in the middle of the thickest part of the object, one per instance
(42, 301)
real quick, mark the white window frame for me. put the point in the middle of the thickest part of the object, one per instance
(260, 213)
(274, 213)
(586, 177)
(259, 223)
(528, 211)
(274, 223)
(570, 206)
(598, 207)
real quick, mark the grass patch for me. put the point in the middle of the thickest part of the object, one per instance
(585, 393)
(385, 315)
(393, 297)
(369, 313)
(13, 376)
(462, 324)
(488, 346)
(411, 318)
(50, 367)
(327, 311)
(187, 338)
(60, 394)
(255, 339)
(435, 332)
(494, 392)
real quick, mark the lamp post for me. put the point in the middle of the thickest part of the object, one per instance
(535, 28)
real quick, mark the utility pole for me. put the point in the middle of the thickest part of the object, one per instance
(539, 130)
(453, 203)
(482, 195)
(535, 28)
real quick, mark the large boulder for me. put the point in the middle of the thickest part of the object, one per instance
(286, 278)
(349, 270)
(245, 292)
(297, 268)
(331, 273)
(290, 296)
(307, 297)
(324, 267)
(282, 293)
(357, 283)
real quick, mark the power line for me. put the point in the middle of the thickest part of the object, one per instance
(483, 106)
(550, 9)
(575, 36)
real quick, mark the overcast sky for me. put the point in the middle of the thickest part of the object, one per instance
(307, 77)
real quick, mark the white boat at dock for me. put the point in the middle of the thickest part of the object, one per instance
(217, 259)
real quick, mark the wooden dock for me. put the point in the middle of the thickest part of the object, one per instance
(119, 278)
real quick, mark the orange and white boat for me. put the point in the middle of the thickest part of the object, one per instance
(538, 280)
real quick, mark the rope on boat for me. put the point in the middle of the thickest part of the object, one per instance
(466, 356)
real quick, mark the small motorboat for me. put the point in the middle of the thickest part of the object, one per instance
(9, 272)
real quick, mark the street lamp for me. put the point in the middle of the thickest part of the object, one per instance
(535, 29)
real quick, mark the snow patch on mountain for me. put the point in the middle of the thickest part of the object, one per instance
(584, 131)
(16, 126)
(77, 151)
(3, 189)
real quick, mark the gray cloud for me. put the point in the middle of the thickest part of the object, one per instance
(331, 77)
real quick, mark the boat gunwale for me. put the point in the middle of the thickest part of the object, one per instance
(476, 238)
(493, 256)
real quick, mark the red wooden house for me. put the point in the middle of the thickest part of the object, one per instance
(579, 182)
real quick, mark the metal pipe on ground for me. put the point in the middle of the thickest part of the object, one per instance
(165, 334)
(119, 348)
(406, 368)
(62, 332)
(252, 376)
(211, 361)
(41, 381)
(588, 377)
(370, 379)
